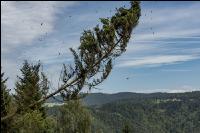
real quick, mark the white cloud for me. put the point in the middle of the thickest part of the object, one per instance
(171, 26)
(9, 68)
(170, 14)
(22, 22)
(176, 70)
(184, 88)
(156, 60)
(165, 34)
(51, 52)
(168, 22)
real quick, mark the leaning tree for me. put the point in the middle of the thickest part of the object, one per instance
(98, 48)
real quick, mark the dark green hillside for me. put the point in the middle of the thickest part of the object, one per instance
(145, 113)
(157, 114)
(102, 98)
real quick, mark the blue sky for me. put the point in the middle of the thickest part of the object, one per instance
(162, 55)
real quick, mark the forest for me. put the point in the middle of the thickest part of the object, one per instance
(141, 113)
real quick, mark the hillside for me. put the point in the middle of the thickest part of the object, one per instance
(103, 98)
(144, 113)
(151, 115)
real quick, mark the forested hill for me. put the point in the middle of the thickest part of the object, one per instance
(150, 113)
(143, 113)
(102, 98)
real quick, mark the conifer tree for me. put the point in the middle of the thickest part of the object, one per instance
(30, 87)
(99, 47)
(5, 104)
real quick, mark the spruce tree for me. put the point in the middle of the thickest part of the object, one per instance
(30, 87)
(5, 104)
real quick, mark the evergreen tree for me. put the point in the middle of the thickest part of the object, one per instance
(31, 87)
(5, 104)
(98, 48)
(74, 118)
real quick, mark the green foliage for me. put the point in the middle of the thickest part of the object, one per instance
(99, 126)
(30, 88)
(33, 122)
(99, 47)
(174, 113)
(5, 104)
(144, 113)
(73, 118)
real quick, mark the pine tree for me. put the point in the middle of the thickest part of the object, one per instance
(98, 48)
(5, 104)
(31, 87)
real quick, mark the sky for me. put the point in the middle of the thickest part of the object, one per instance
(163, 54)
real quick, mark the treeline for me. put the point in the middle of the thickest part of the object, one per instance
(31, 87)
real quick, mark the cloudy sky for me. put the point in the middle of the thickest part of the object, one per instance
(162, 55)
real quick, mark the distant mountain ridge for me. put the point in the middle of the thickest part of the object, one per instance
(103, 98)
